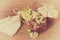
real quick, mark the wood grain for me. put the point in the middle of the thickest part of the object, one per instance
(5, 9)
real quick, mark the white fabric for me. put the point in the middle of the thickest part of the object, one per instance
(48, 10)
(10, 25)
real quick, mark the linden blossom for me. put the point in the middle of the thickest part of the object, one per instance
(29, 16)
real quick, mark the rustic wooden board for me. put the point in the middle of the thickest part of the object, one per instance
(5, 9)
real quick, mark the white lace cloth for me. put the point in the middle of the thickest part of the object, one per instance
(10, 25)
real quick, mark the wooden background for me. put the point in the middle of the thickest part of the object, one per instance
(6, 7)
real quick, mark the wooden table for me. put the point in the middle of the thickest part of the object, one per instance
(6, 9)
